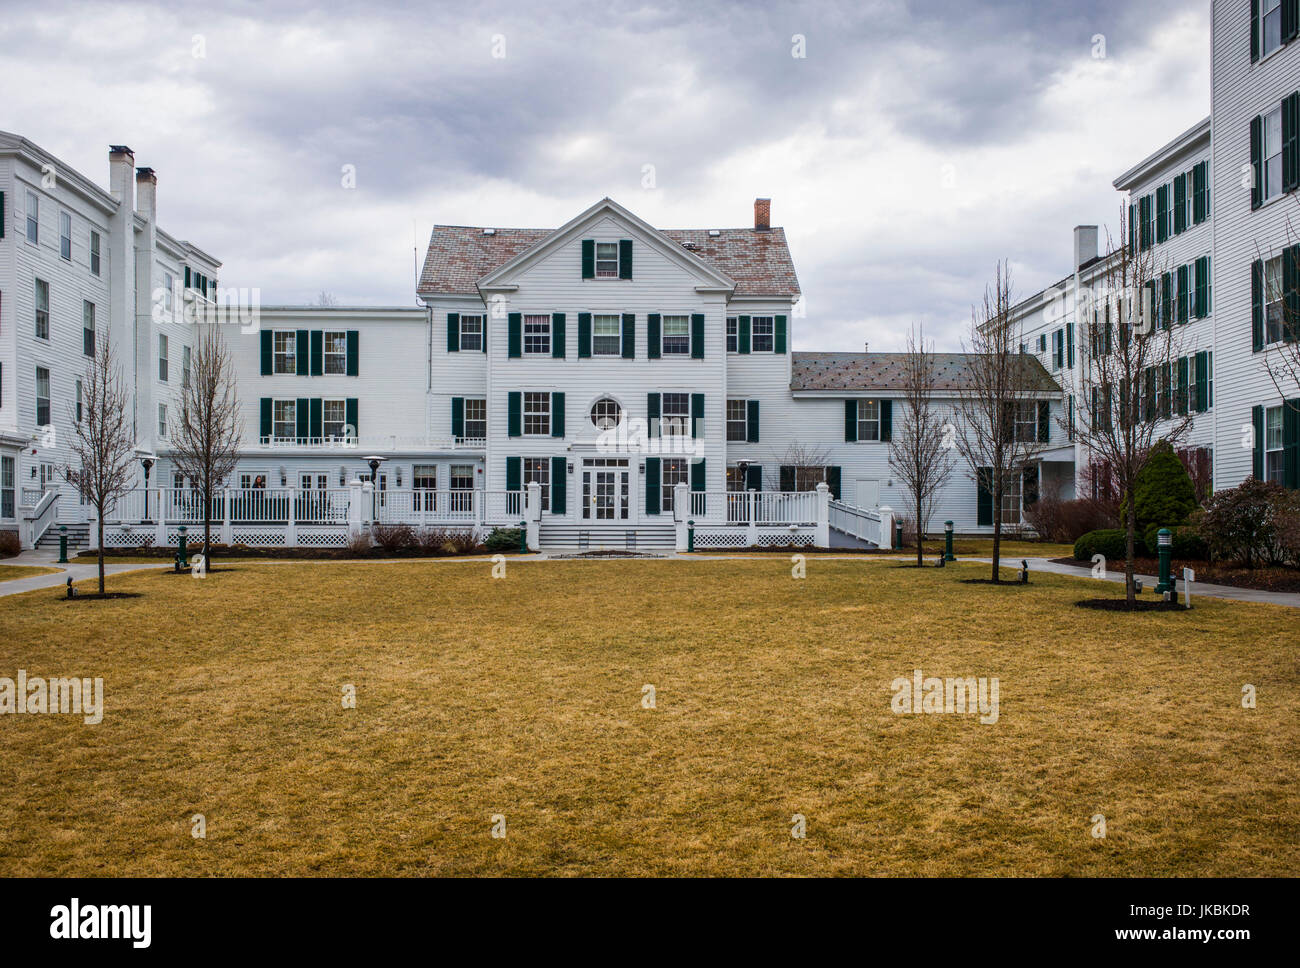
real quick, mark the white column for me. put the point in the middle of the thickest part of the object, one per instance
(823, 538)
(160, 529)
(682, 514)
(751, 538)
(356, 494)
(291, 525)
(886, 527)
(533, 514)
(227, 513)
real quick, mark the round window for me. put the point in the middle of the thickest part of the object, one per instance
(606, 414)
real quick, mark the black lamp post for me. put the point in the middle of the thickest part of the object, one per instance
(148, 466)
(374, 463)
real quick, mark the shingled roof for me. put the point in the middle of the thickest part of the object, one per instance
(758, 261)
(884, 371)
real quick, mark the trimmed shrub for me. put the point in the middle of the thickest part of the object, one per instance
(1188, 545)
(1251, 523)
(10, 544)
(394, 537)
(1109, 543)
(503, 539)
(359, 546)
(1164, 495)
(1067, 521)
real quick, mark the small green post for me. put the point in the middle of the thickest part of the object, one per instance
(1165, 550)
(690, 535)
(898, 535)
(523, 537)
(182, 552)
(63, 544)
(947, 542)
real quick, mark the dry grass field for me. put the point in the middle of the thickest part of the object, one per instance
(10, 572)
(523, 697)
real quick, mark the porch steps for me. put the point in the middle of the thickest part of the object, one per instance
(78, 536)
(652, 538)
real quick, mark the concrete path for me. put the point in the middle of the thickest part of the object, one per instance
(48, 559)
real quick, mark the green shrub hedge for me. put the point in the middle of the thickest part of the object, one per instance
(503, 539)
(1108, 542)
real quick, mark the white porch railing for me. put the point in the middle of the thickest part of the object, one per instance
(874, 525)
(38, 518)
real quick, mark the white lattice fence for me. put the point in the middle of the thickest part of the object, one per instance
(721, 538)
(259, 537)
(783, 538)
(322, 537)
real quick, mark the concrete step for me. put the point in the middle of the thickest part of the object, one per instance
(606, 537)
(78, 536)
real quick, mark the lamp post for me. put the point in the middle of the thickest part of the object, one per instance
(1165, 538)
(374, 462)
(147, 462)
(947, 542)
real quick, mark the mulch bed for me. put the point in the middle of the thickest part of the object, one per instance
(990, 581)
(284, 554)
(1122, 605)
(1260, 579)
(96, 597)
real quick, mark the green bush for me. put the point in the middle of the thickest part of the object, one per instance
(503, 539)
(1164, 496)
(1108, 542)
(1188, 545)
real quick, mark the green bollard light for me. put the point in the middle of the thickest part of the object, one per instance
(182, 552)
(523, 537)
(1165, 539)
(690, 535)
(63, 544)
(947, 542)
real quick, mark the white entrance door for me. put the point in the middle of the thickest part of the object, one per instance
(867, 493)
(606, 489)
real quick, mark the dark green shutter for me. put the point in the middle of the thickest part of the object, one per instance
(188, 277)
(515, 339)
(850, 422)
(316, 427)
(697, 415)
(1145, 211)
(317, 353)
(886, 421)
(1257, 305)
(1069, 345)
(625, 258)
(2, 215)
(742, 337)
(1180, 203)
(584, 335)
(1257, 421)
(1166, 299)
(514, 474)
(833, 476)
(1184, 293)
(1291, 293)
(268, 352)
(1184, 384)
(557, 336)
(458, 417)
(302, 417)
(1202, 287)
(1290, 20)
(751, 421)
(787, 477)
(1200, 197)
(352, 418)
(557, 414)
(1257, 161)
(589, 258)
(1291, 443)
(653, 504)
(302, 353)
(652, 342)
(697, 336)
(514, 414)
(629, 336)
(1132, 225)
(1254, 34)
(698, 478)
(652, 415)
(1044, 421)
(453, 332)
(268, 427)
(559, 485)
(354, 352)
(754, 477)
(1290, 140)
(1202, 362)
(984, 497)
(778, 341)
(1162, 213)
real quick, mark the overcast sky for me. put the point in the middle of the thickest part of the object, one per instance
(913, 146)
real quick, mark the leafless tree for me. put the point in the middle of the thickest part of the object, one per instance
(326, 299)
(205, 436)
(1132, 391)
(808, 463)
(920, 451)
(1281, 310)
(103, 440)
(1001, 410)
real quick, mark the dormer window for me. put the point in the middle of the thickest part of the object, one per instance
(606, 260)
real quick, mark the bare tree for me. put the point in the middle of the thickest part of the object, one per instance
(807, 464)
(1133, 392)
(1280, 295)
(1002, 413)
(326, 299)
(104, 439)
(205, 437)
(917, 451)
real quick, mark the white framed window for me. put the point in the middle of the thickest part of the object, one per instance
(537, 334)
(733, 334)
(674, 473)
(475, 418)
(169, 284)
(335, 349)
(285, 355)
(162, 357)
(1011, 499)
(675, 414)
(1270, 26)
(606, 260)
(162, 420)
(33, 218)
(1026, 425)
(868, 420)
(78, 412)
(539, 469)
(42, 309)
(461, 477)
(8, 487)
(471, 332)
(65, 236)
(606, 414)
(1274, 315)
(87, 328)
(737, 420)
(424, 477)
(606, 335)
(537, 414)
(1189, 198)
(334, 418)
(185, 366)
(42, 396)
(762, 330)
(1273, 463)
(94, 252)
(285, 422)
(1272, 153)
(676, 335)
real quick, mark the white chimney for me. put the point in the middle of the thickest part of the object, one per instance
(1085, 244)
(121, 175)
(146, 193)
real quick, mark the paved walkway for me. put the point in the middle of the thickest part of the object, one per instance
(49, 559)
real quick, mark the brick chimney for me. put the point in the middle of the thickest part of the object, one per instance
(121, 162)
(146, 193)
(762, 214)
